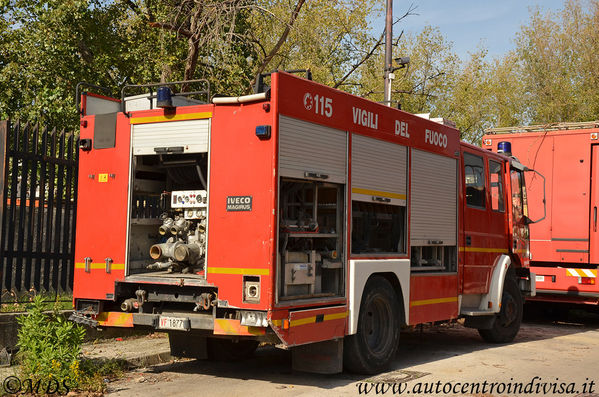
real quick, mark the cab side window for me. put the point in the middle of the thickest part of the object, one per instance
(496, 178)
(474, 173)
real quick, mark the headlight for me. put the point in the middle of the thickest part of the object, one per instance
(254, 319)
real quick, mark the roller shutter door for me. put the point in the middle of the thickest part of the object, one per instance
(379, 170)
(306, 147)
(433, 219)
(192, 135)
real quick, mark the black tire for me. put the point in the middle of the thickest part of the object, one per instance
(373, 347)
(507, 322)
(230, 350)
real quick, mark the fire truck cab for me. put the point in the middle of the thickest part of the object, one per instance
(300, 216)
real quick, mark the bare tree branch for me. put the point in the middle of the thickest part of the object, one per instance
(282, 39)
(355, 66)
(168, 26)
(193, 46)
(373, 49)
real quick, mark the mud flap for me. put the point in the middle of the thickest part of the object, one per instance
(188, 345)
(319, 358)
(479, 322)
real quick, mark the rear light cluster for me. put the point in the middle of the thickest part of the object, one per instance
(586, 280)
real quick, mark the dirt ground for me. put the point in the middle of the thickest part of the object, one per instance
(550, 356)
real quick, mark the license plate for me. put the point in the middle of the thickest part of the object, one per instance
(540, 279)
(177, 323)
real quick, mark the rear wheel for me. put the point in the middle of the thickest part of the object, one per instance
(507, 322)
(230, 350)
(373, 347)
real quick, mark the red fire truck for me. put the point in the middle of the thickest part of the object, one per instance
(300, 216)
(564, 246)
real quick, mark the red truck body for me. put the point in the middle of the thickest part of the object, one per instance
(311, 196)
(565, 245)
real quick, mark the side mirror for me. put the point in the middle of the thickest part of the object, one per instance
(527, 220)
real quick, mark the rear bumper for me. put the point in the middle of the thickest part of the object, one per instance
(196, 321)
(566, 281)
(193, 322)
(565, 297)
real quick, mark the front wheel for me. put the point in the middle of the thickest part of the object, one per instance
(507, 322)
(373, 347)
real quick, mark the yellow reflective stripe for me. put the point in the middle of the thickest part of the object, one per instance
(236, 270)
(581, 272)
(335, 316)
(302, 321)
(115, 319)
(311, 320)
(434, 301)
(173, 117)
(113, 266)
(378, 193)
(489, 250)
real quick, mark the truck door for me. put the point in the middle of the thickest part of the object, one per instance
(570, 212)
(102, 205)
(484, 220)
(594, 237)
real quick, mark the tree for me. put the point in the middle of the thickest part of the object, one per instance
(468, 100)
(558, 54)
(332, 38)
(47, 48)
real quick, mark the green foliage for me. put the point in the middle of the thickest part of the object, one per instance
(94, 374)
(50, 351)
(558, 54)
(329, 37)
(47, 47)
(49, 345)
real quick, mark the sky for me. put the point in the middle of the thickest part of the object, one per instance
(468, 23)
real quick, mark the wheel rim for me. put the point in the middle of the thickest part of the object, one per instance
(509, 310)
(376, 326)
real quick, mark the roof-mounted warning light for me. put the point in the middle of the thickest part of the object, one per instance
(164, 97)
(504, 148)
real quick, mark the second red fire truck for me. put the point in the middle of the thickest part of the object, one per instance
(300, 216)
(565, 245)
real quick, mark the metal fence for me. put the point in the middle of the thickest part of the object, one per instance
(38, 167)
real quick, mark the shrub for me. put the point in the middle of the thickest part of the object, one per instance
(49, 346)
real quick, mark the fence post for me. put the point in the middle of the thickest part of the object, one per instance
(3, 150)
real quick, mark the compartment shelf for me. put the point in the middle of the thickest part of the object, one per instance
(307, 235)
(146, 221)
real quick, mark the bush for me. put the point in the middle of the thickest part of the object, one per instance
(49, 346)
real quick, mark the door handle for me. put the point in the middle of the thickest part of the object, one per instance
(88, 263)
(468, 240)
(595, 218)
